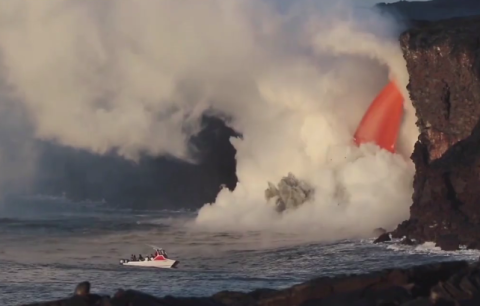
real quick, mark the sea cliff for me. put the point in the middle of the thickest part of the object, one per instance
(443, 63)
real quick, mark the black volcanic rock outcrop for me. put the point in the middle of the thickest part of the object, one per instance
(382, 238)
(443, 64)
(447, 283)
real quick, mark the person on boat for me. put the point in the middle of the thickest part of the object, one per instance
(140, 258)
(134, 258)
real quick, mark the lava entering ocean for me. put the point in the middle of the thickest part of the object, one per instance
(381, 123)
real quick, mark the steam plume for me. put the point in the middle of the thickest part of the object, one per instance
(135, 76)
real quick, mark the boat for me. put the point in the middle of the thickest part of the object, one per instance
(158, 260)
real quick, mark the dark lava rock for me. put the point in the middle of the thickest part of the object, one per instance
(407, 241)
(83, 289)
(382, 238)
(444, 63)
(387, 287)
(379, 231)
(474, 245)
(448, 243)
(464, 285)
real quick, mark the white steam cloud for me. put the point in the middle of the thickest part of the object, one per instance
(296, 78)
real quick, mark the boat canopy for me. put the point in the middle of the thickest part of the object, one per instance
(160, 251)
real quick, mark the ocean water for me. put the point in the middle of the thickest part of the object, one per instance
(48, 245)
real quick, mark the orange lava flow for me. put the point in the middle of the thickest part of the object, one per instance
(381, 122)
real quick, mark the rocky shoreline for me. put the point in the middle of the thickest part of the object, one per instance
(446, 283)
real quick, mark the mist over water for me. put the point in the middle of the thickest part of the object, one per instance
(136, 77)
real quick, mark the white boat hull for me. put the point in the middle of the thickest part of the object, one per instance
(166, 263)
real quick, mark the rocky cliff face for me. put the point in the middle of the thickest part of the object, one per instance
(443, 63)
